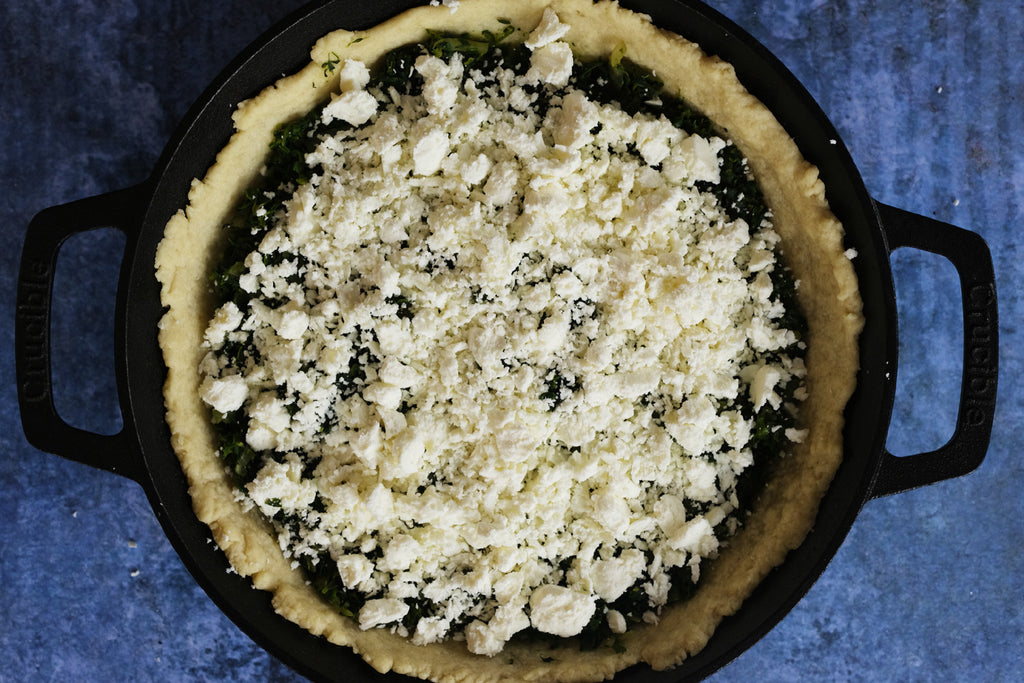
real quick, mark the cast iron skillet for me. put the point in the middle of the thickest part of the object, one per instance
(142, 451)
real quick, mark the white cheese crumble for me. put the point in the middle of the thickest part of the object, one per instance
(560, 611)
(452, 5)
(547, 31)
(225, 394)
(499, 356)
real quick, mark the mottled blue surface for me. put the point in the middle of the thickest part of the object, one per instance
(927, 95)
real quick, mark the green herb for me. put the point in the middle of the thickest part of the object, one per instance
(404, 304)
(292, 141)
(470, 47)
(737, 191)
(785, 292)
(332, 61)
(352, 380)
(557, 388)
(581, 310)
(637, 89)
(618, 80)
(397, 69)
(322, 573)
(240, 459)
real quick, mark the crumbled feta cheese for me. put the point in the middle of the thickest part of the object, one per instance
(481, 342)
(548, 30)
(613, 577)
(551, 64)
(260, 438)
(294, 324)
(481, 640)
(452, 5)
(796, 435)
(490, 638)
(354, 107)
(700, 156)
(354, 570)
(353, 75)
(762, 386)
(225, 320)
(383, 394)
(400, 553)
(616, 622)
(560, 611)
(655, 139)
(393, 372)
(440, 82)
(430, 151)
(501, 184)
(381, 611)
(225, 394)
(696, 537)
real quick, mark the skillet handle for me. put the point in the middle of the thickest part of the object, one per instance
(43, 427)
(970, 256)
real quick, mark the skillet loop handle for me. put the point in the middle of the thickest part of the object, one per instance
(43, 427)
(972, 259)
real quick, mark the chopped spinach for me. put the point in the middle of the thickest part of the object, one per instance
(557, 388)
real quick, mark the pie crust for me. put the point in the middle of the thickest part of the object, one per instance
(813, 242)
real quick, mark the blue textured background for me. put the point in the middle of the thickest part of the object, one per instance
(927, 95)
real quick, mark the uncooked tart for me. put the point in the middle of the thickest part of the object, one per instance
(557, 401)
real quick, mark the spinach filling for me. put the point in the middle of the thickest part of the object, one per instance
(611, 80)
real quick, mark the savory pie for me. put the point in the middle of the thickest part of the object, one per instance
(495, 342)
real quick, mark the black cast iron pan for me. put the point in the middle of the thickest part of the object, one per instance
(142, 451)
